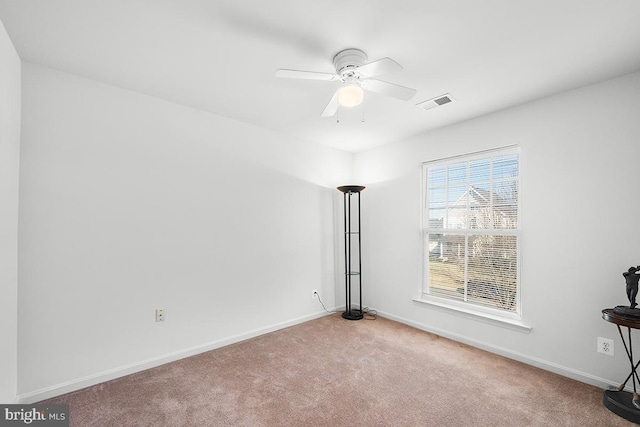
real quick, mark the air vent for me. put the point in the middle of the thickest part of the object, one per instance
(435, 102)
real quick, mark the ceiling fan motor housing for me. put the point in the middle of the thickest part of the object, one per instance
(348, 60)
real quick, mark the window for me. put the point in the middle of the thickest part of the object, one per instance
(471, 231)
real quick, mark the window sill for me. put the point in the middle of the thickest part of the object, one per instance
(475, 314)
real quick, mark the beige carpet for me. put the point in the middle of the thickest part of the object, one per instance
(335, 372)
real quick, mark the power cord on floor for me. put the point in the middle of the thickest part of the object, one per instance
(367, 313)
(325, 308)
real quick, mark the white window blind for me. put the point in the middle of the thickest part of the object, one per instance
(471, 229)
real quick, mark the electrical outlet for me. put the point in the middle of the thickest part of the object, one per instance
(605, 346)
(159, 314)
(314, 294)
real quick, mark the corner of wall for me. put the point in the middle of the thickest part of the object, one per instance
(10, 106)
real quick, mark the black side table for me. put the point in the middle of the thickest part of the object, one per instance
(620, 402)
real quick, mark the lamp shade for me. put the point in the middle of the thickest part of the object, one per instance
(350, 95)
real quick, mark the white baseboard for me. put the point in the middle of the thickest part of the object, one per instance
(67, 387)
(80, 383)
(520, 357)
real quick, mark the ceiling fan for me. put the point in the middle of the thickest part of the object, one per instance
(355, 74)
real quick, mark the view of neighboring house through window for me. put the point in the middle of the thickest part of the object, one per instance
(471, 229)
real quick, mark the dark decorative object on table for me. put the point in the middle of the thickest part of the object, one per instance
(631, 277)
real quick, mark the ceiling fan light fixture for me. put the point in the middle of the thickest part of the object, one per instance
(350, 95)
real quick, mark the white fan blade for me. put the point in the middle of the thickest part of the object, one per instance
(332, 106)
(389, 89)
(381, 66)
(308, 75)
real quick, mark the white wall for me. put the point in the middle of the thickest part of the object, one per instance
(129, 203)
(580, 224)
(9, 166)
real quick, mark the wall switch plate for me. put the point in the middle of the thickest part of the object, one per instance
(605, 346)
(159, 314)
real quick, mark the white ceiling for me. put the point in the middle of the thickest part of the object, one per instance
(220, 55)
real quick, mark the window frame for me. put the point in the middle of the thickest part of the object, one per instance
(510, 319)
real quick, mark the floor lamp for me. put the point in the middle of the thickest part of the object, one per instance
(350, 234)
